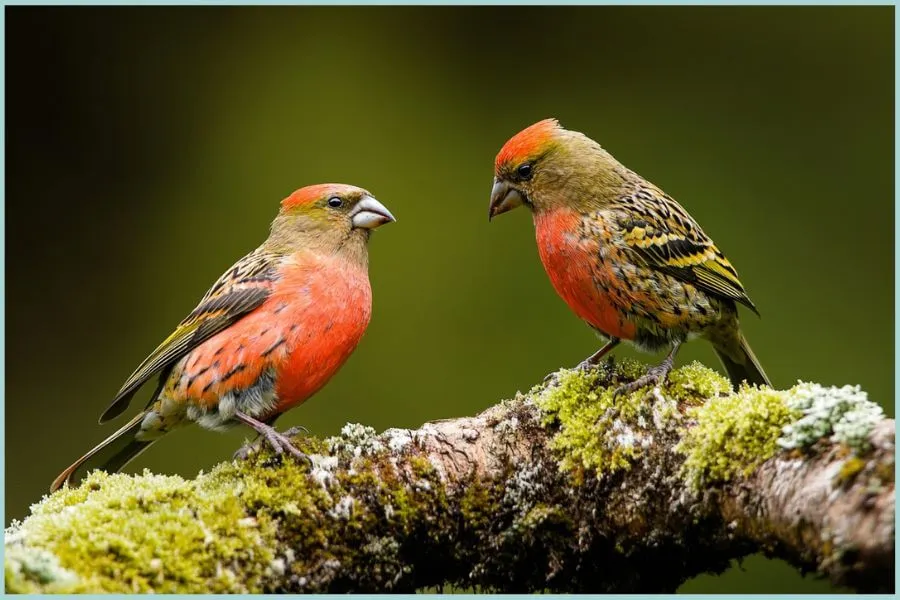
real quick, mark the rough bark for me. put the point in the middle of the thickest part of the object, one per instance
(817, 522)
(498, 501)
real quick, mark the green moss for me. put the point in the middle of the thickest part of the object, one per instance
(125, 534)
(33, 570)
(594, 431)
(849, 470)
(884, 471)
(603, 434)
(695, 383)
(733, 435)
(239, 528)
(479, 505)
(539, 515)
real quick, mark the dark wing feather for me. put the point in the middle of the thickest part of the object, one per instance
(240, 290)
(660, 231)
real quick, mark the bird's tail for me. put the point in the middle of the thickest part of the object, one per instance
(111, 454)
(746, 368)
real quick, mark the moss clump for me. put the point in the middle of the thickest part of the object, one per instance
(695, 381)
(733, 435)
(122, 534)
(33, 570)
(479, 505)
(884, 471)
(843, 414)
(600, 432)
(242, 528)
(849, 470)
(594, 429)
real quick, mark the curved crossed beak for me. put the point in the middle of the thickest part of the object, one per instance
(504, 198)
(369, 213)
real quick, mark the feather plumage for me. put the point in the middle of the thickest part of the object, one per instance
(668, 239)
(244, 287)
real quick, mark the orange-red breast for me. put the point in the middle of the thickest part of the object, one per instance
(268, 334)
(625, 256)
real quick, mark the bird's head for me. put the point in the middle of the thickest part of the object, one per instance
(545, 166)
(329, 217)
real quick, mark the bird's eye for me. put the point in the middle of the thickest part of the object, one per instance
(335, 202)
(524, 171)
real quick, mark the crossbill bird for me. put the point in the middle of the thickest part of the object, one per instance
(624, 255)
(268, 334)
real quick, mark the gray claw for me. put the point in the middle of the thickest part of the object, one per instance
(654, 376)
(295, 431)
(245, 451)
(278, 442)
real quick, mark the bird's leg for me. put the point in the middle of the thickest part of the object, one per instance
(279, 442)
(654, 375)
(592, 360)
(291, 432)
(250, 448)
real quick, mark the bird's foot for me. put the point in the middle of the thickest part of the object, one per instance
(279, 442)
(552, 380)
(587, 364)
(295, 431)
(584, 366)
(655, 375)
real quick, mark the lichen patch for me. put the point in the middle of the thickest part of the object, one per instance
(844, 415)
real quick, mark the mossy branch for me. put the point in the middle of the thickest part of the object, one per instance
(563, 489)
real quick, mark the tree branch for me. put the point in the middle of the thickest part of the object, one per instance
(565, 488)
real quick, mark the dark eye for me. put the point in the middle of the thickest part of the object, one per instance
(524, 171)
(335, 202)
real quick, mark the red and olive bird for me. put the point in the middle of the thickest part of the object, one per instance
(627, 258)
(268, 334)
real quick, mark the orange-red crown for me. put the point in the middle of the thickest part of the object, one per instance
(527, 142)
(312, 193)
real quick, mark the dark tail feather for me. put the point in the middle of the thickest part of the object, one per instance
(111, 454)
(748, 370)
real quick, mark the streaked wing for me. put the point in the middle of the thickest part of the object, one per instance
(240, 290)
(660, 231)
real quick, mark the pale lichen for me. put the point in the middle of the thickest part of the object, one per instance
(357, 440)
(845, 415)
(322, 469)
(397, 439)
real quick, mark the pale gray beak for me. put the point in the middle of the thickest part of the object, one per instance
(369, 213)
(504, 198)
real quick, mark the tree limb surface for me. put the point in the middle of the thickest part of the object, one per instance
(565, 488)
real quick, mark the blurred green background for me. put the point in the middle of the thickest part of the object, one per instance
(148, 148)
